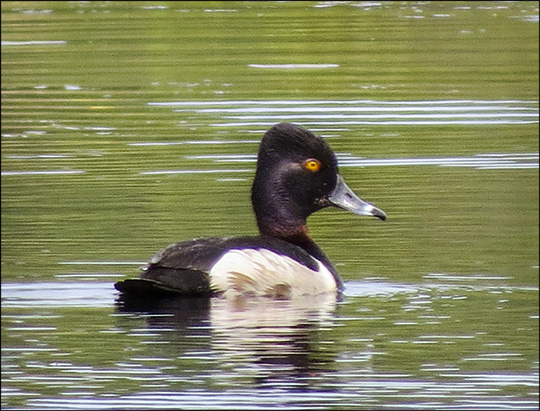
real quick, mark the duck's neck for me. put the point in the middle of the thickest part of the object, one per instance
(280, 218)
(288, 228)
(297, 235)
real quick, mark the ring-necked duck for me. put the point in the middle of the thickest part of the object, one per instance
(297, 174)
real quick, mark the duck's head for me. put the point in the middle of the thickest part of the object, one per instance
(297, 174)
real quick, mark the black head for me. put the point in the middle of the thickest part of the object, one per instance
(297, 174)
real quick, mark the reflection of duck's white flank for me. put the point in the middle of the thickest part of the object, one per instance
(244, 312)
(240, 324)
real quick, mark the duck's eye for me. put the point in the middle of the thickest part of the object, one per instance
(312, 165)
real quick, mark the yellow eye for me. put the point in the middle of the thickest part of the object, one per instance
(312, 165)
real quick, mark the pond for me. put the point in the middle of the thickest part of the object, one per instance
(128, 126)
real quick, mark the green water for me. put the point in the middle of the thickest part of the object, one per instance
(127, 126)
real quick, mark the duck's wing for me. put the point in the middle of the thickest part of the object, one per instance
(181, 268)
(163, 282)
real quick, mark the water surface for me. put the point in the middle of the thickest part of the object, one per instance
(127, 126)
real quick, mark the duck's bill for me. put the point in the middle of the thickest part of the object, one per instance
(343, 197)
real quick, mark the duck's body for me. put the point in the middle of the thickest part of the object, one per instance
(258, 265)
(296, 175)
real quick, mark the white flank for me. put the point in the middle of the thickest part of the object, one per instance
(266, 273)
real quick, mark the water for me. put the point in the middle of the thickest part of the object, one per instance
(385, 343)
(130, 126)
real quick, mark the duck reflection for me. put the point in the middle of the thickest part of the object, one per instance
(273, 342)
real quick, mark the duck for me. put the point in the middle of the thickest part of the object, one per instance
(296, 175)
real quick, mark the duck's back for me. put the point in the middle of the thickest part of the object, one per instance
(247, 265)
